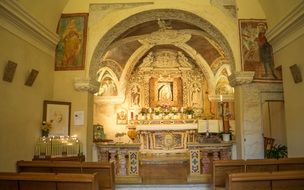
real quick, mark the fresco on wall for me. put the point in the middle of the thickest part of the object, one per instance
(256, 51)
(70, 50)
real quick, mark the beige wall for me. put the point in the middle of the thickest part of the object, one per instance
(293, 95)
(47, 12)
(276, 10)
(64, 91)
(20, 105)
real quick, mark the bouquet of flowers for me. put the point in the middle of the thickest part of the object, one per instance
(46, 127)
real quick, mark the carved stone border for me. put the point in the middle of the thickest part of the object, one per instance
(239, 78)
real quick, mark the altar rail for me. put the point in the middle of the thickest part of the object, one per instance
(282, 180)
(105, 171)
(47, 181)
(223, 167)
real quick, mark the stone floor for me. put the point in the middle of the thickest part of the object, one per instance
(164, 187)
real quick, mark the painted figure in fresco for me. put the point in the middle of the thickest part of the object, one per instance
(108, 88)
(165, 93)
(266, 54)
(135, 96)
(71, 38)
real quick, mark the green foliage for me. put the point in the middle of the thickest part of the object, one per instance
(277, 151)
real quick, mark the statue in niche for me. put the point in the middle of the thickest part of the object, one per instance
(165, 92)
(196, 95)
(108, 87)
(135, 96)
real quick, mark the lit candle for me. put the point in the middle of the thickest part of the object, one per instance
(221, 98)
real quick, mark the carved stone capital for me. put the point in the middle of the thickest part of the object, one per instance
(89, 85)
(239, 78)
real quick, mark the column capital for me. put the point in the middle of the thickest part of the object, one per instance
(240, 78)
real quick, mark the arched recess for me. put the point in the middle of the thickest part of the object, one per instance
(151, 15)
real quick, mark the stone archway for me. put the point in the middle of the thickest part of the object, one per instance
(150, 15)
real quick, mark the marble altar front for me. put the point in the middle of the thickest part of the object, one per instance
(171, 137)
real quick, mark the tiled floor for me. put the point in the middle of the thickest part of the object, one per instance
(164, 187)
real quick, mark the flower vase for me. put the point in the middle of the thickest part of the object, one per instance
(45, 133)
(132, 133)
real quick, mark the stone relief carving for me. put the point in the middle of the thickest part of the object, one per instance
(166, 37)
(165, 59)
(239, 78)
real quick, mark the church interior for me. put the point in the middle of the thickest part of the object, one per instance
(151, 94)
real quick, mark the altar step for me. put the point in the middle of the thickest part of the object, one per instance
(165, 187)
(165, 158)
(164, 168)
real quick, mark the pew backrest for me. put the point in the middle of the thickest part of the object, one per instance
(47, 181)
(221, 168)
(277, 180)
(106, 177)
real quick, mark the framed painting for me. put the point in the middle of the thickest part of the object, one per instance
(58, 114)
(256, 51)
(71, 48)
(166, 92)
(122, 117)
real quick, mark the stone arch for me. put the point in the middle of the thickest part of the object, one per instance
(150, 15)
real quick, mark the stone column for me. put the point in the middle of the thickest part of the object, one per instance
(205, 162)
(122, 169)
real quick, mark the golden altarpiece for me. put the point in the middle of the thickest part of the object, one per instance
(167, 101)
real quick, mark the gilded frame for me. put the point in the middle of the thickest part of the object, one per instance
(174, 89)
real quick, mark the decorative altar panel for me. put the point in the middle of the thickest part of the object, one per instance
(166, 138)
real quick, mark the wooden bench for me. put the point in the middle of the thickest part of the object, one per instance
(105, 179)
(47, 181)
(220, 168)
(278, 180)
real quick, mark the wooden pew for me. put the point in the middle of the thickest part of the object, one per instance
(222, 167)
(278, 180)
(47, 181)
(106, 177)
(283, 164)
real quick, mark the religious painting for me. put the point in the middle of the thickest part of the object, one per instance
(70, 50)
(122, 117)
(107, 87)
(166, 92)
(256, 51)
(57, 114)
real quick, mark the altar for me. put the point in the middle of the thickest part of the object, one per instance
(166, 136)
